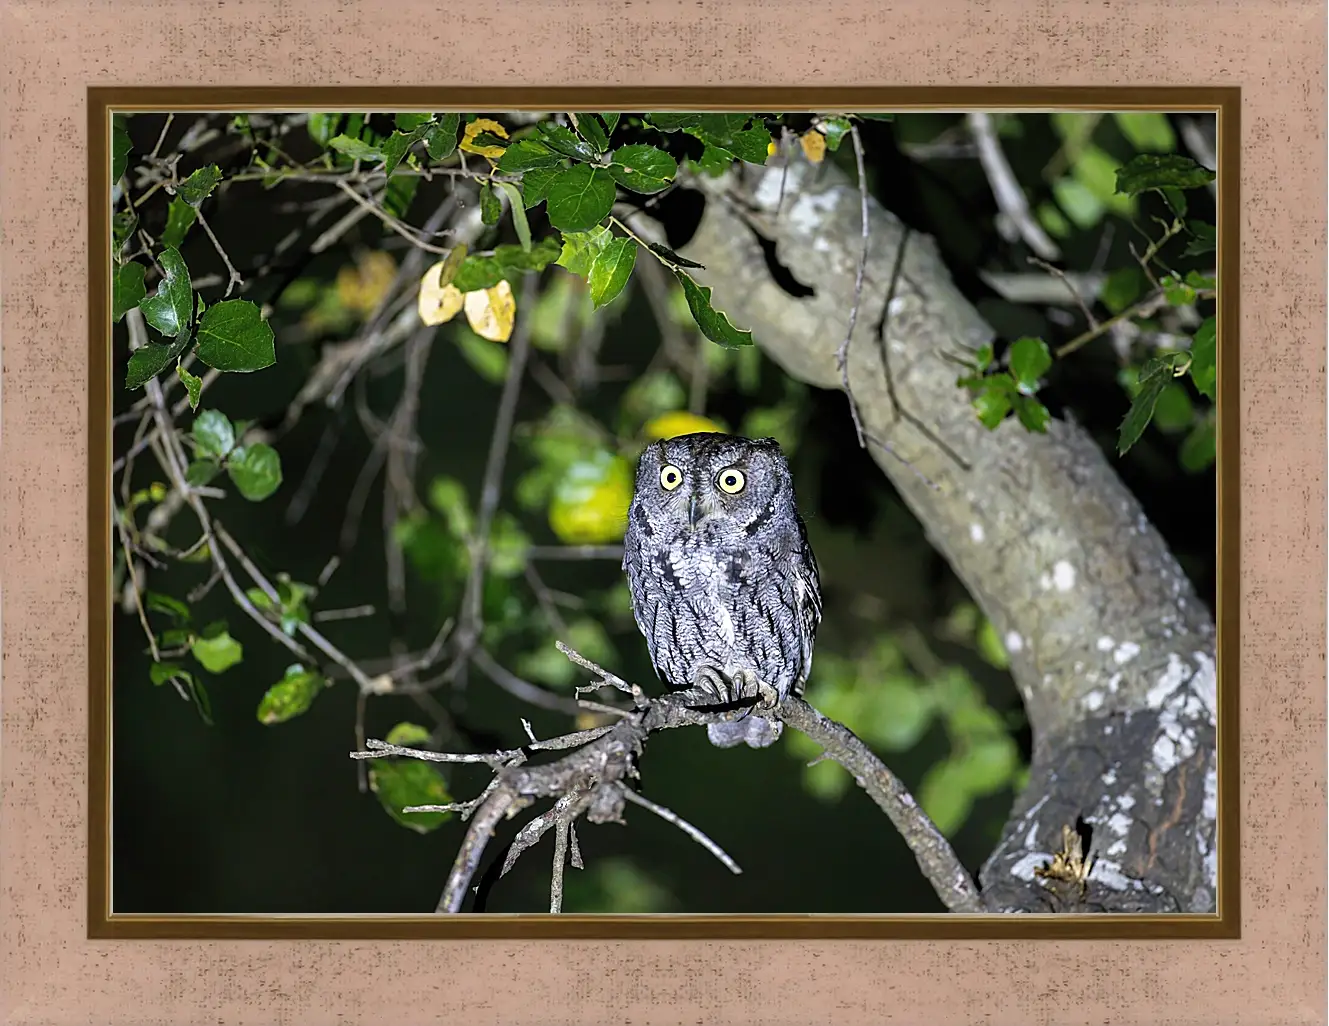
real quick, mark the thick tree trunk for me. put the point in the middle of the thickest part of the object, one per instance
(1110, 648)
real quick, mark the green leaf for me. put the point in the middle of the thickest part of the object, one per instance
(581, 248)
(193, 386)
(672, 122)
(290, 696)
(589, 128)
(146, 362)
(213, 434)
(255, 470)
(408, 735)
(1147, 130)
(1170, 170)
(120, 147)
(610, 119)
(169, 308)
(161, 673)
(994, 400)
(990, 646)
(1174, 411)
(986, 765)
(510, 262)
(610, 270)
(127, 289)
(180, 217)
(535, 185)
(525, 154)
(580, 197)
(322, 127)
(715, 160)
(643, 169)
(441, 139)
(1204, 239)
(410, 121)
(728, 132)
(233, 336)
(123, 224)
(1155, 376)
(1032, 414)
(671, 258)
(983, 358)
(875, 116)
(1030, 360)
(1204, 358)
(217, 653)
(1078, 201)
(1097, 171)
(518, 214)
(835, 129)
(200, 472)
(714, 325)
(398, 145)
(491, 208)
(172, 607)
(400, 783)
(945, 797)
(565, 142)
(1176, 199)
(356, 149)
(1178, 293)
(196, 188)
(488, 360)
(1122, 288)
(1198, 451)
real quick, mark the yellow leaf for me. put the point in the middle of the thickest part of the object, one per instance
(360, 288)
(483, 125)
(814, 145)
(437, 304)
(771, 148)
(492, 311)
(680, 422)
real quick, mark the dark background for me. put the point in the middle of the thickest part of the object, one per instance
(242, 817)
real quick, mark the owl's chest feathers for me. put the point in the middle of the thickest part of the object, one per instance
(709, 582)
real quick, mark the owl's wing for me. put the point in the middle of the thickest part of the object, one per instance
(807, 599)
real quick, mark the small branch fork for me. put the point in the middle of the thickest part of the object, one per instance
(595, 780)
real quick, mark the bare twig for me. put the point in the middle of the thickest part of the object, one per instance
(1006, 189)
(672, 817)
(563, 552)
(1059, 274)
(401, 228)
(842, 354)
(234, 278)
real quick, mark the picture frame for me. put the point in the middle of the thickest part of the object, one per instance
(1271, 972)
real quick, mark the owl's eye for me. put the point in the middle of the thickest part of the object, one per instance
(670, 477)
(731, 480)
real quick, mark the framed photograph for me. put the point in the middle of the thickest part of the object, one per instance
(586, 514)
(590, 514)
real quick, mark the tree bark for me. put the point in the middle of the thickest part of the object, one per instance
(1111, 650)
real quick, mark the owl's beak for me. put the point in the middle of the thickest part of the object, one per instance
(694, 511)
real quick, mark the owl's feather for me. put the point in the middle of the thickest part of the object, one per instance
(723, 585)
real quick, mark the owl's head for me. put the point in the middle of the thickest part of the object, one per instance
(713, 484)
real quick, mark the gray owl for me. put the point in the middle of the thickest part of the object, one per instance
(724, 584)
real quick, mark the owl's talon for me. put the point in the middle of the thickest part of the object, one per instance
(769, 696)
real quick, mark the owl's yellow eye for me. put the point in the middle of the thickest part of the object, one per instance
(731, 480)
(670, 477)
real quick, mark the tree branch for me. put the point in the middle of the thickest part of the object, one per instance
(1111, 649)
(595, 780)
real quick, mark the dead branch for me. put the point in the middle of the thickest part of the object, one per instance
(595, 780)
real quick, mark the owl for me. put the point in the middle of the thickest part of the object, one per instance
(724, 584)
